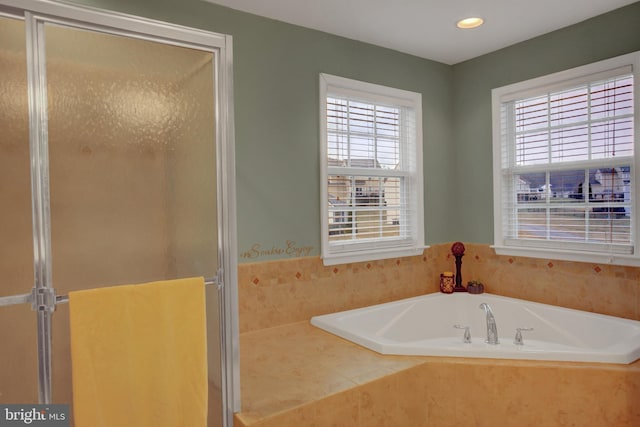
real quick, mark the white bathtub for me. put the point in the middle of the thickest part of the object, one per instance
(423, 326)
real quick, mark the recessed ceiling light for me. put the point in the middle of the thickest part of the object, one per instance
(468, 23)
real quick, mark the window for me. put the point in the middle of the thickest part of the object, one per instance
(564, 164)
(371, 171)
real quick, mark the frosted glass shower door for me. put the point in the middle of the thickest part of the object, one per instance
(132, 164)
(108, 176)
(132, 159)
(18, 376)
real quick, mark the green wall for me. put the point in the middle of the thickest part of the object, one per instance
(276, 69)
(602, 37)
(276, 72)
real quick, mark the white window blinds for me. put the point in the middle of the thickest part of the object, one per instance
(371, 170)
(566, 178)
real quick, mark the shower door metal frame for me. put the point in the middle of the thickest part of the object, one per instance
(37, 13)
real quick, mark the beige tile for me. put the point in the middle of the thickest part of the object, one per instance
(413, 388)
(295, 374)
(274, 293)
(442, 393)
(290, 375)
(610, 396)
(298, 417)
(503, 395)
(338, 410)
(376, 406)
(239, 420)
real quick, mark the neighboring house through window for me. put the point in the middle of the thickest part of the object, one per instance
(565, 170)
(371, 167)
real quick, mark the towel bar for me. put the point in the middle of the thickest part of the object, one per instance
(59, 299)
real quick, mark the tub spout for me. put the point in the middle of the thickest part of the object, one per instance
(492, 329)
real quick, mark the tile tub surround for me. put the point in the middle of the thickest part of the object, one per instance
(278, 292)
(274, 293)
(293, 374)
(297, 375)
(598, 288)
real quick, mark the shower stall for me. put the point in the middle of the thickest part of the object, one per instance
(116, 167)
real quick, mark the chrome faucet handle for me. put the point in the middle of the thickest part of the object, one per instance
(467, 334)
(518, 339)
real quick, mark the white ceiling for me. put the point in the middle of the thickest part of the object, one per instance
(426, 28)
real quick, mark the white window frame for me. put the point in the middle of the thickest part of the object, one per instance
(540, 85)
(354, 251)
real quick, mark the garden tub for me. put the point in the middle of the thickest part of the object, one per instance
(434, 325)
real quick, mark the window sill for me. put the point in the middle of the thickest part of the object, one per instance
(566, 255)
(346, 258)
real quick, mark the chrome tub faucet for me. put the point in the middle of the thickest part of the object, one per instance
(492, 329)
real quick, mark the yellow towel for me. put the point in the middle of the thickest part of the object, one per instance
(139, 355)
